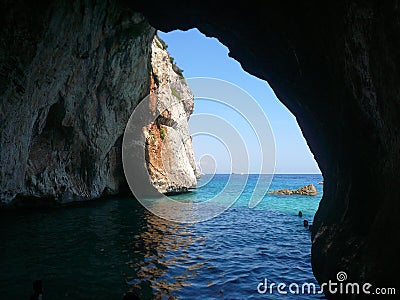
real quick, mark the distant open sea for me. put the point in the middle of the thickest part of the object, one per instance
(102, 249)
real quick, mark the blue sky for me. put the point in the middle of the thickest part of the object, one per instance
(200, 56)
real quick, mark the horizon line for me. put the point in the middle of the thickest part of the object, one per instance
(262, 173)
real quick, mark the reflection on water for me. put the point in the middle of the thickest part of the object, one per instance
(163, 244)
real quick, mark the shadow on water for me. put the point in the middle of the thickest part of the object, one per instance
(97, 251)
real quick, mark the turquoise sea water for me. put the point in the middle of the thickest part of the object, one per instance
(102, 249)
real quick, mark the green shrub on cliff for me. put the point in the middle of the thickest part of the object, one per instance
(161, 44)
(176, 94)
(162, 133)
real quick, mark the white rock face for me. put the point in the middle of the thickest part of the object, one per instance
(169, 151)
(66, 101)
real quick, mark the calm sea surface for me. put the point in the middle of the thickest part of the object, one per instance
(100, 250)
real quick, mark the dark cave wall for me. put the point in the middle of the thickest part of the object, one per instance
(336, 66)
(71, 74)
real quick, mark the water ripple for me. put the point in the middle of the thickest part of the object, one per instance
(101, 250)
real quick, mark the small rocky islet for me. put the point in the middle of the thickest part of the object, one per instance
(307, 190)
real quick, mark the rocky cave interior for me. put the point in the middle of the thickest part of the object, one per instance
(336, 66)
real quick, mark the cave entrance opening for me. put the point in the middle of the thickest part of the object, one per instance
(288, 203)
(196, 55)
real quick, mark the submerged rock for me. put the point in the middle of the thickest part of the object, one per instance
(307, 190)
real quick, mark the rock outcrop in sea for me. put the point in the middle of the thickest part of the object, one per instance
(69, 82)
(307, 190)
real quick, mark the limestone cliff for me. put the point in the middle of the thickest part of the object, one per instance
(169, 152)
(71, 75)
